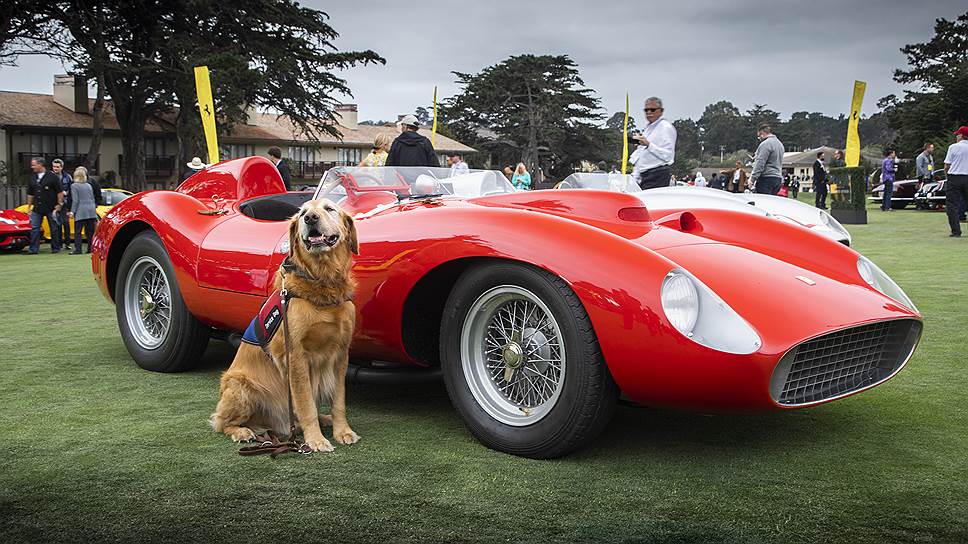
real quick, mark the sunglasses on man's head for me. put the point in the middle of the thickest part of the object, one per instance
(650, 110)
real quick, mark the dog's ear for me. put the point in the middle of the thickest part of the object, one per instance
(294, 232)
(350, 226)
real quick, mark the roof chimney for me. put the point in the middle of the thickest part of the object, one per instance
(347, 115)
(252, 115)
(70, 91)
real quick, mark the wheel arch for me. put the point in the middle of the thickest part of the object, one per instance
(427, 298)
(122, 239)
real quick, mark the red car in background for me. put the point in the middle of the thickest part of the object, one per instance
(538, 307)
(14, 230)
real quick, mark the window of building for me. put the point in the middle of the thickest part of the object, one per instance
(302, 154)
(349, 156)
(156, 147)
(54, 144)
(236, 151)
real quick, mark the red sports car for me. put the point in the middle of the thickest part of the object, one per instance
(538, 307)
(14, 230)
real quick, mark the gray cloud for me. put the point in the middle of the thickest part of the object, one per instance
(790, 55)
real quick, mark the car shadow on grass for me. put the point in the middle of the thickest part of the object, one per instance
(635, 432)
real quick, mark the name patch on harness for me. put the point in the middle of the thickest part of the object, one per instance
(265, 324)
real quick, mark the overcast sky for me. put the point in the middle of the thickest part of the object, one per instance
(790, 55)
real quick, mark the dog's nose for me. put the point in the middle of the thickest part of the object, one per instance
(332, 239)
(311, 218)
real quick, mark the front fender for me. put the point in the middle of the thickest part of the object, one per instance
(587, 258)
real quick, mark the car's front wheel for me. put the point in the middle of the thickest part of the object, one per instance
(522, 363)
(156, 326)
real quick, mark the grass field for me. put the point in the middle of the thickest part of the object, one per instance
(95, 449)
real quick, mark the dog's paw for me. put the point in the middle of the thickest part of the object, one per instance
(242, 434)
(346, 436)
(325, 420)
(319, 444)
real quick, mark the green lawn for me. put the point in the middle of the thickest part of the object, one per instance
(95, 449)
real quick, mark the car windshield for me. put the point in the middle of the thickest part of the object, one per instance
(412, 181)
(600, 180)
(113, 197)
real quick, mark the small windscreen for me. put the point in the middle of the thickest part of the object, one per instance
(411, 180)
(621, 183)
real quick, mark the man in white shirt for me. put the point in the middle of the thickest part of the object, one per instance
(653, 157)
(700, 180)
(956, 186)
(457, 165)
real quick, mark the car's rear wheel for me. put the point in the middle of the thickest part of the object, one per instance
(156, 326)
(522, 363)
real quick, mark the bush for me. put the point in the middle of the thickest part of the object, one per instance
(856, 179)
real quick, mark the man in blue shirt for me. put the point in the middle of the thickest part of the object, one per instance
(888, 167)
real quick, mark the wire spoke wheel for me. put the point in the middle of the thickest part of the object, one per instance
(513, 355)
(147, 300)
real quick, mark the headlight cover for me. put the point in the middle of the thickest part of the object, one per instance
(8, 221)
(700, 315)
(830, 222)
(876, 278)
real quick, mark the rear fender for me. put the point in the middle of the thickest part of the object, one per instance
(174, 218)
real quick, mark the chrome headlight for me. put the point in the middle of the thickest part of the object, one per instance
(8, 221)
(700, 315)
(876, 278)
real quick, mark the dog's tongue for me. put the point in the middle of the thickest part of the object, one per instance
(316, 240)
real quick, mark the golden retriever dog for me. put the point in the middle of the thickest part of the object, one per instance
(253, 391)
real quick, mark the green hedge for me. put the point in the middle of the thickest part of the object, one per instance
(856, 179)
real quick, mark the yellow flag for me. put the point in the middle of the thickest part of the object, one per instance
(625, 137)
(852, 153)
(433, 131)
(206, 107)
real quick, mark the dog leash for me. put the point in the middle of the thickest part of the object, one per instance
(268, 443)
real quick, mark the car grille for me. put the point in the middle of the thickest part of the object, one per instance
(841, 362)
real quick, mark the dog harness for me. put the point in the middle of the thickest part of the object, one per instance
(265, 324)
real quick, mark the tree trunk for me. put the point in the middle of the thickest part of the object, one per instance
(131, 121)
(97, 129)
(187, 130)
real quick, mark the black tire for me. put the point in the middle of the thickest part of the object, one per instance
(588, 394)
(895, 205)
(186, 338)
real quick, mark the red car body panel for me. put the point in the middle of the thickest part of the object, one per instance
(17, 234)
(224, 265)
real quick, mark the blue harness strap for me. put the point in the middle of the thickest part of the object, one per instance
(265, 324)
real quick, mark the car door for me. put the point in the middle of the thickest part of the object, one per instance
(236, 255)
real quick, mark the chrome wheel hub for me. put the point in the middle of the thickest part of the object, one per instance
(147, 300)
(513, 355)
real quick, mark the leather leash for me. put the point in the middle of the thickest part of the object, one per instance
(268, 443)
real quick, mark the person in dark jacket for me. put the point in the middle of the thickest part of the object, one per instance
(57, 166)
(820, 182)
(45, 198)
(410, 148)
(275, 155)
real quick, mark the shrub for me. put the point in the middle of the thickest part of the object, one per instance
(856, 179)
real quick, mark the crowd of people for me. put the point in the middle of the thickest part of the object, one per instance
(61, 199)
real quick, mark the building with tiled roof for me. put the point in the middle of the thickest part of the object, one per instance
(59, 126)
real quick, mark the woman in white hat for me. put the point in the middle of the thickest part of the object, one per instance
(195, 166)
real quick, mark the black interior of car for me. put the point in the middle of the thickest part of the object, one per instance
(277, 207)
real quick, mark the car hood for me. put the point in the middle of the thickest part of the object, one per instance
(761, 287)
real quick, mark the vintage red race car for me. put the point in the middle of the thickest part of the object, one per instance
(14, 230)
(538, 307)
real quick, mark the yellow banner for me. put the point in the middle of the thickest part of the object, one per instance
(433, 131)
(852, 153)
(625, 137)
(206, 106)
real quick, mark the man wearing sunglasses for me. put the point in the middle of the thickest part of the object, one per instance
(653, 157)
